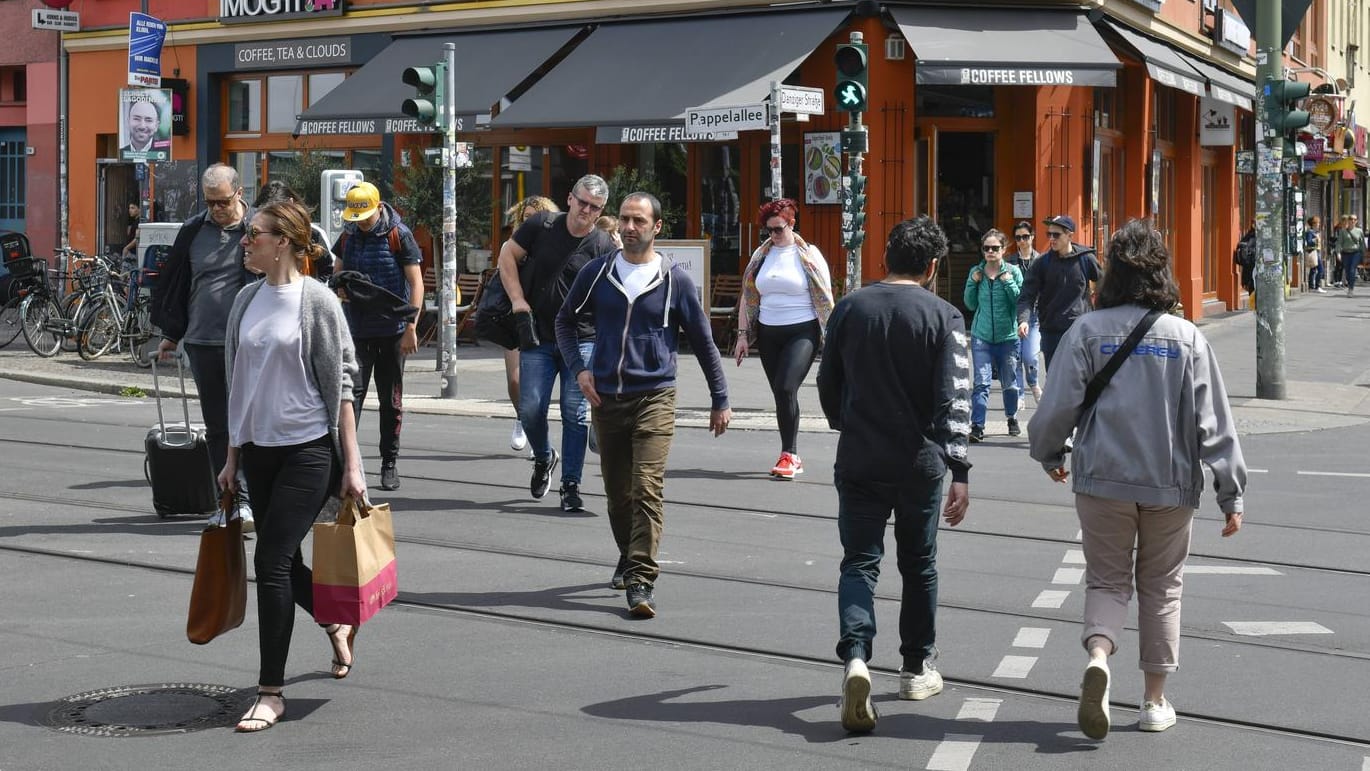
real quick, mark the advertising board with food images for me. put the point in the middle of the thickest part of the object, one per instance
(822, 167)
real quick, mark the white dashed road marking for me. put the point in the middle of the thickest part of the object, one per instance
(1356, 474)
(1074, 557)
(979, 709)
(1031, 637)
(1068, 575)
(1050, 598)
(1229, 570)
(954, 753)
(1262, 628)
(1015, 667)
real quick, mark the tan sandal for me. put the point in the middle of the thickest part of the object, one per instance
(251, 723)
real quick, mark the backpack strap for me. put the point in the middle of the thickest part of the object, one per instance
(1100, 382)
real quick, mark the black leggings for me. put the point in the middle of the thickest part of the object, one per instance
(787, 352)
(287, 487)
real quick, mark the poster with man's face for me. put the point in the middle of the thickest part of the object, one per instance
(144, 124)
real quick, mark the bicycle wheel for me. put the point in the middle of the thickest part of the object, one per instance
(98, 333)
(10, 325)
(142, 344)
(40, 316)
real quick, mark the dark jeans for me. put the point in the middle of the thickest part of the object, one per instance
(787, 353)
(635, 432)
(382, 354)
(1350, 263)
(211, 381)
(539, 369)
(862, 511)
(1049, 342)
(287, 486)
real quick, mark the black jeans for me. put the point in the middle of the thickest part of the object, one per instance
(1050, 340)
(863, 508)
(287, 486)
(207, 368)
(382, 354)
(787, 353)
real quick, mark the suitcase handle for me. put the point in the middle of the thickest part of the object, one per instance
(185, 401)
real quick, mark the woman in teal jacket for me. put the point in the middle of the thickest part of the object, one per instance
(992, 290)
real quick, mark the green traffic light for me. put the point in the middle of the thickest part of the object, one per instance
(851, 60)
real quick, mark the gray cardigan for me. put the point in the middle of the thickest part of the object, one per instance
(325, 340)
(1162, 418)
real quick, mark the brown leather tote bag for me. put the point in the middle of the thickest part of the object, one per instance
(218, 598)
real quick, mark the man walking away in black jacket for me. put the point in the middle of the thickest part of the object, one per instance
(1057, 285)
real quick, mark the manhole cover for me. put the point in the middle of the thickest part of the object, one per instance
(131, 710)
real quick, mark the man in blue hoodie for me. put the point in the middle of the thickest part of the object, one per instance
(375, 242)
(640, 302)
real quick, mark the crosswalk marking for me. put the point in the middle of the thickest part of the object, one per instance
(1050, 598)
(979, 709)
(1078, 533)
(1015, 667)
(1068, 575)
(1356, 474)
(1031, 637)
(1074, 557)
(1229, 570)
(954, 753)
(1262, 628)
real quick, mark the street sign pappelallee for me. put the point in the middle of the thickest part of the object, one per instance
(65, 21)
(700, 120)
(801, 99)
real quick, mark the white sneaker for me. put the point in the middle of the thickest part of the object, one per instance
(858, 713)
(1036, 393)
(245, 514)
(1093, 712)
(518, 440)
(1156, 716)
(918, 687)
(1320, 290)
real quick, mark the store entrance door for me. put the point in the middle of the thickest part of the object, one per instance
(956, 184)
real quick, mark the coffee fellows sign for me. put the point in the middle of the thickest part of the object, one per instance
(236, 11)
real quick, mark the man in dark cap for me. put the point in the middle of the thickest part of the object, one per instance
(1057, 284)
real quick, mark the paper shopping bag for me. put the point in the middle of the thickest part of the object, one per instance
(354, 564)
(218, 597)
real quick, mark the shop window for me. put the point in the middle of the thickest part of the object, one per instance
(12, 177)
(1107, 109)
(249, 166)
(719, 204)
(368, 162)
(565, 165)
(284, 101)
(1165, 217)
(321, 83)
(280, 164)
(666, 164)
(244, 106)
(954, 101)
(1210, 234)
(520, 170)
(1111, 213)
(1163, 110)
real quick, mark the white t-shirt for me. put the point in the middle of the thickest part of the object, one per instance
(784, 288)
(635, 277)
(273, 403)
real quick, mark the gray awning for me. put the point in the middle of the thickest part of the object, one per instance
(1223, 85)
(675, 64)
(1005, 47)
(1165, 65)
(489, 64)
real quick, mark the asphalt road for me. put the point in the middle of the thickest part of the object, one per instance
(507, 649)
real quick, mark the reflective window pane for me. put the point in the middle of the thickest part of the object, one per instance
(284, 101)
(719, 204)
(244, 105)
(249, 170)
(321, 83)
(665, 163)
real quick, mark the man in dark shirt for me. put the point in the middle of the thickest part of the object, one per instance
(1056, 285)
(895, 381)
(556, 246)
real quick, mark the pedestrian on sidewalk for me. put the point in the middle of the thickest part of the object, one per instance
(991, 294)
(1022, 256)
(516, 215)
(1138, 463)
(1312, 254)
(194, 292)
(640, 302)
(1057, 285)
(556, 246)
(376, 243)
(1351, 244)
(290, 363)
(894, 381)
(786, 301)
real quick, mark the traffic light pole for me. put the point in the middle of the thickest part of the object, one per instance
(777, 183)
(854, 161)
(447, 287)
(1270, 222)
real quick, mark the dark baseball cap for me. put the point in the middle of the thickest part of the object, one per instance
(1061, 221)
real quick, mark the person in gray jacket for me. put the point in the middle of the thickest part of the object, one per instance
(1138, 464)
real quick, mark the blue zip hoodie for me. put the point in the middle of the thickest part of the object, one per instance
(636, 341)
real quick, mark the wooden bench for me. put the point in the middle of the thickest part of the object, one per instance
(469, 288)
(725, 298)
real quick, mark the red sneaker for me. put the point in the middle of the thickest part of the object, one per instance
(788, 467)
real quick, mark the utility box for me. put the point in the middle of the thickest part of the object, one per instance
(154, 241)
(333, 187)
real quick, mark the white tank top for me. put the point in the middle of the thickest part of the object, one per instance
(784, 288)
(273, 403)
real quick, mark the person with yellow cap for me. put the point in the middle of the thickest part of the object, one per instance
(377, 243)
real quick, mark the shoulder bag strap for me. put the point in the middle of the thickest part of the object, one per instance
(1101, 379)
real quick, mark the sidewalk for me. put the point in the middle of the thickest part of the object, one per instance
(1327, 372)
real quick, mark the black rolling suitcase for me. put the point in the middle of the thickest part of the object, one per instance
(177, 462)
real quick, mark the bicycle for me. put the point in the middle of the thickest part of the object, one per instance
(23, 274)
(48, 320)
(116, 323)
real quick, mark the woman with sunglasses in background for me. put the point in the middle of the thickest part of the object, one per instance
(786, 300)
(1022, 256)
(991, 293)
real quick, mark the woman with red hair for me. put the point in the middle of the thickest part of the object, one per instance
(786, 300)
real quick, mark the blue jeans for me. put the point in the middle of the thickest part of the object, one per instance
(989, 357)
(538, 370)
(1028, 348)
(863, 508)
(1350, 262)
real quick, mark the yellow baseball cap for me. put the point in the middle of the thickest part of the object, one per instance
(362, 201)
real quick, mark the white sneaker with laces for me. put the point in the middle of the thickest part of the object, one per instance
(518, 440)
(858, 713)
(1093, 711)
(245, 513)
(1157, 716)
(918, 687)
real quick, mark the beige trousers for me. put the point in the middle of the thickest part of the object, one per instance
(1109, 531)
